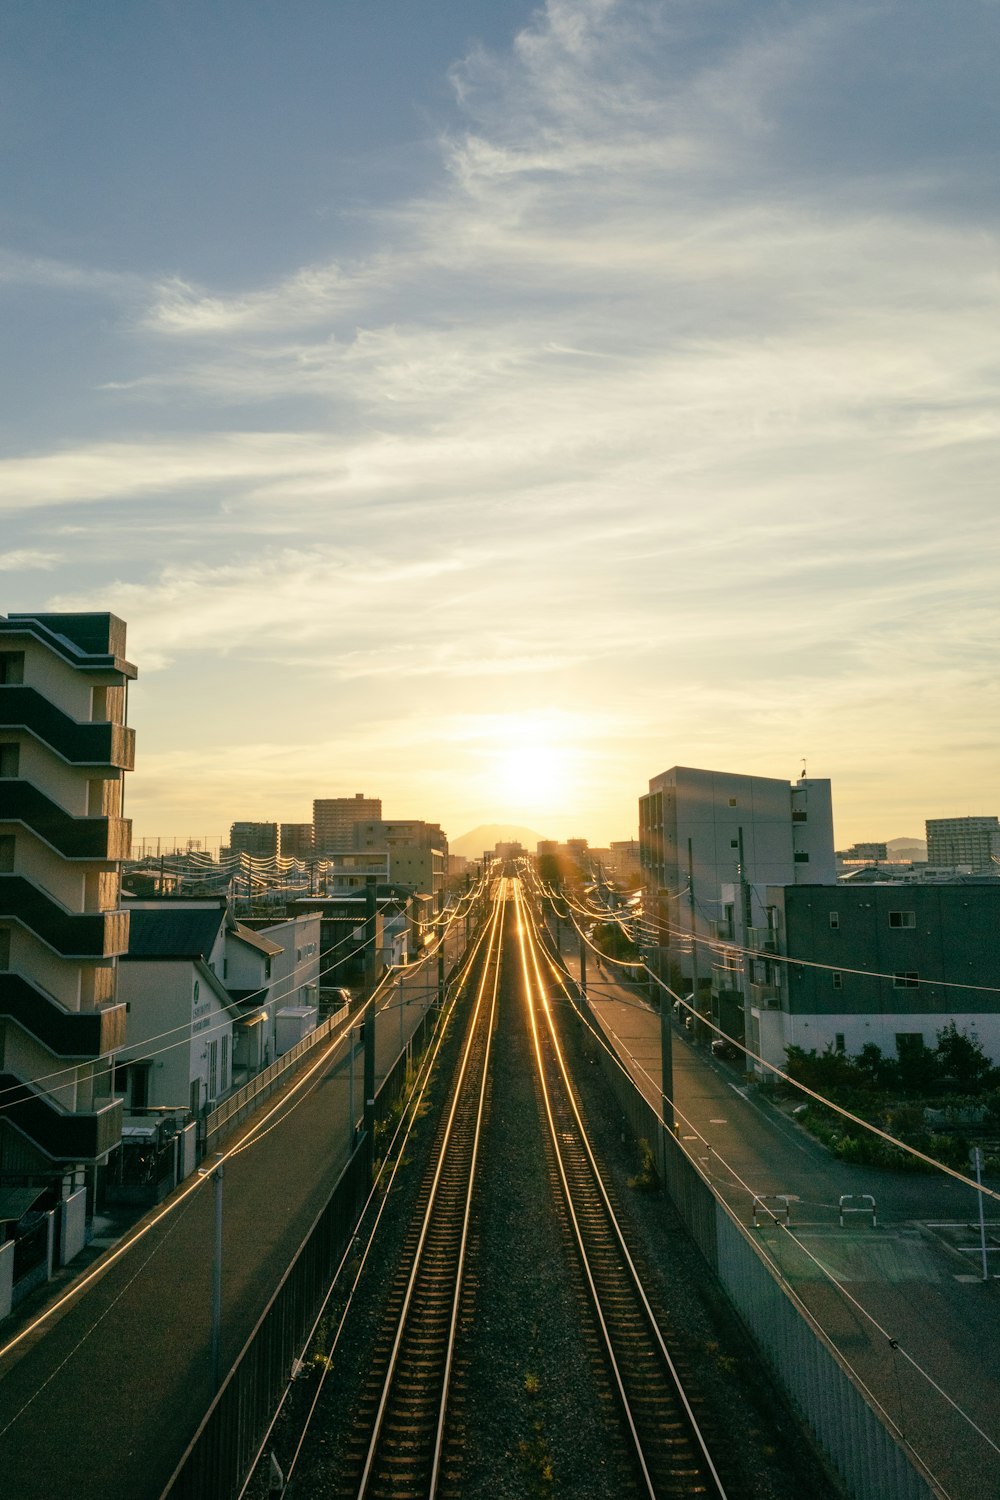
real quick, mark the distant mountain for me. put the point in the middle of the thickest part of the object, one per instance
(488, 835)
(914, 848)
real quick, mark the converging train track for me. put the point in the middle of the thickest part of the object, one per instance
(670, 1452)
(405, 1406)
(430, 1396)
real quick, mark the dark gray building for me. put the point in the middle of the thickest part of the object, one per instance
(890, 964)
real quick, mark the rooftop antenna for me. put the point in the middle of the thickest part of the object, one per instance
(802, 775)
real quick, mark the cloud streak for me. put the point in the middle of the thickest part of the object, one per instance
(659, 369)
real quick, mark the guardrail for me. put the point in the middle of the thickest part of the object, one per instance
(232, 1111)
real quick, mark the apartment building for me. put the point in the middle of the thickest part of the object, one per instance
(418, 851)
(260, 840)
(296, 841)
(710, 843)
(64, 749)
(334, 819)
(882, 963)
(971, 844)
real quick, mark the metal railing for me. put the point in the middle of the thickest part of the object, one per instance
(232, 1111)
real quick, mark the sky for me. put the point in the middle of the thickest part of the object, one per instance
(487, 406)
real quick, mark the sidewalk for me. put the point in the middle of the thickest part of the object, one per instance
(916, 1288)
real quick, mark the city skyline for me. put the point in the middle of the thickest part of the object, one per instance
(496, 408)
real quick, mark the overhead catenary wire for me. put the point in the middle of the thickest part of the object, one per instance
(183, 1031)
(257, 1129)
(561, 974)
(803, 1088)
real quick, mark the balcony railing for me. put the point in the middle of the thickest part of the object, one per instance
(726, 981)
(720, 931)
(73, 934)
(66, 1033)
(82, 744)
(73, 838)
(762, 939)
(59, 1133)
(765, 996)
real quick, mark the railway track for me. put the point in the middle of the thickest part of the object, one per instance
(669, 1452)
(399, 1436)
(457, 1375)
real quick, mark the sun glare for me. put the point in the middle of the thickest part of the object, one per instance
(533, 776)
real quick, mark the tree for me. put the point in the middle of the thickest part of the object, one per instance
(961, 1062)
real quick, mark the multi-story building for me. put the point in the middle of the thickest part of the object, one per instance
(710, 842)
(863, 854)
(334, 819)
(971, 844)
(887, 964)
(418, 851)
(296, 841)
(64, 749)
(260, 840)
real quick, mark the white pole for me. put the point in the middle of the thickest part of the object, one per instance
(977, 1162)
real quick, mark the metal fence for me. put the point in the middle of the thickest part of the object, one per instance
(245, 1100)
(807, 1367)
(225, 1445)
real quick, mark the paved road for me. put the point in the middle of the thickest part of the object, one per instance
(105, 1399)
(906, 1277)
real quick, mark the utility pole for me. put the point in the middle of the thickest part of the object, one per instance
(746, 914)
(666, 1062)
(583, 965)
(694, 931)
(369, 1063)
(216, 1174)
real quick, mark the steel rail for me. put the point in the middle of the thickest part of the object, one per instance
(535, 986)
(491, 967)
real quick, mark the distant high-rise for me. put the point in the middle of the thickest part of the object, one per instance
(973, 842)
(296, 841)
(334, 819)
(257, 839)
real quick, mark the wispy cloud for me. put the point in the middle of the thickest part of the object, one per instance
(25, 560)
(661, 367)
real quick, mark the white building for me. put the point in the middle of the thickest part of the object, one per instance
(205, 993)
(710, 842)
(971, 844)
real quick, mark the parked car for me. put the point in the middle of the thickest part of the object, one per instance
(727, 1050)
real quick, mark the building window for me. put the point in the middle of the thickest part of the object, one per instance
(10, 759)
(838, 979)
(11, 668)
(909, 1043)
(734, 843)
(224, 1076)
(801, 857)
(906, 981)
(213, 1069)
(835, 919)
(839, 1042)
(732, 802)
(4, 947)
(799, 815)
(6, 852)
(902, 919)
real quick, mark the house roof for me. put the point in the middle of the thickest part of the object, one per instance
(172, 932)
(255, 939)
